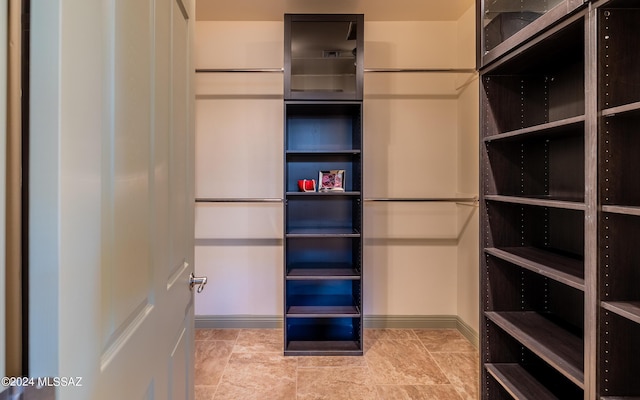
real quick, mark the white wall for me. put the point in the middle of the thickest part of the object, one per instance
(239, 153)
(411, 149)
(468, 172)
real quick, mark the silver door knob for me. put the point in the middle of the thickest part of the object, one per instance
(200, 281)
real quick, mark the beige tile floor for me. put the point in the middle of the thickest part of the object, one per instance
(421, 364)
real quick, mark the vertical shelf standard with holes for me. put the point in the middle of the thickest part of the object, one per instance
(619, 126)
(323, 228)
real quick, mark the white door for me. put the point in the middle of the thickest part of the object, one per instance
(111, 198)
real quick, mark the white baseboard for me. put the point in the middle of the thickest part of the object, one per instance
(468, 332)
(370, 321)
(238, 321)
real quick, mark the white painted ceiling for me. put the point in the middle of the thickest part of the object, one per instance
(373, 10)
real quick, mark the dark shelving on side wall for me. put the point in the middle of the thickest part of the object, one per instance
(534, 206)
(560, 204)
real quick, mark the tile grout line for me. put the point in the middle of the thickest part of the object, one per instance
(375, 384)
(455, 387)
(414, 337)
(435, 361)
(226, 365)
(297, 370)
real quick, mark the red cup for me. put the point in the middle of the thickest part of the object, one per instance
(307, 185)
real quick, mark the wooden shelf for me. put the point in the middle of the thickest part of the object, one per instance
(323, 348)
(322, 271)
(567, 270)
(620, 398)
(561, 349)
(518, 382)
(322, 152)
(626, 309)
(541, 201)
(322, 311)
(328, 193)
(322, 232)
(623, 109)
(549, 128)
(624, 210)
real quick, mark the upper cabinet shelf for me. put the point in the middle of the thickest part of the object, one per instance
(540, 89)
(506, 24)
(323, 56)
(323, 127)
(618, 56)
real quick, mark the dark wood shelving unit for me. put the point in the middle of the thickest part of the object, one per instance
(323, 240)
(536, 183)
(560, 203)
(323, 243)
(323, 132)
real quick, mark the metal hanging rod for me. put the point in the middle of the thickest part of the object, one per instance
(385, 70)
(427, 70)
(427, 199)
(475, 203)
(245, 70)
(238, 200)
(459, 200)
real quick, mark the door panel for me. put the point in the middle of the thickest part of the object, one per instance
(113, 165)
(178, 368)
(180, 137)
(127, 176)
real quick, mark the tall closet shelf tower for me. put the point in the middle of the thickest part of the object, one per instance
(323, 77)
(560, 113)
